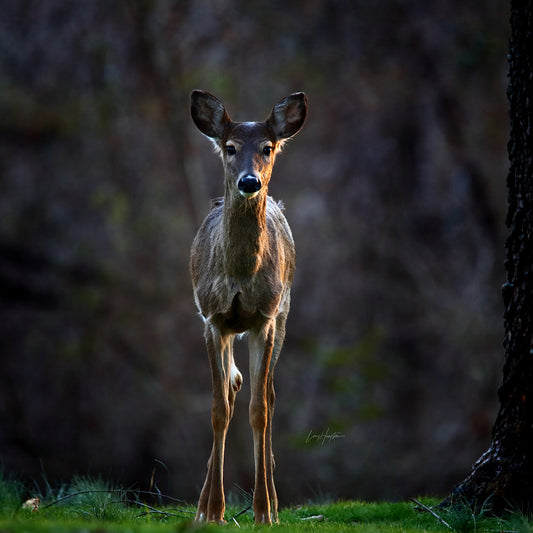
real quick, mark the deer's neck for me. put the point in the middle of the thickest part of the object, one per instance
(245, 235)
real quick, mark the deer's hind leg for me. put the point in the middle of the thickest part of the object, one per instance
(226, 381)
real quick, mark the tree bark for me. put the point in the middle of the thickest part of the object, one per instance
(503, 477)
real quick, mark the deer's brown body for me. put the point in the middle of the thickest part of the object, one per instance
(242, 266)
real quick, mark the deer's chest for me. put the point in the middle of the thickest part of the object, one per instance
(240, 301)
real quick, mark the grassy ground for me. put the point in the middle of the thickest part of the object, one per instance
(93, 506)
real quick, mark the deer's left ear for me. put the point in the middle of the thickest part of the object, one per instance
(288, 116)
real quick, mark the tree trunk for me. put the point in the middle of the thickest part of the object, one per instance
(503, 477)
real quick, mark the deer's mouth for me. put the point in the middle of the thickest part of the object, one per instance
(249, 194)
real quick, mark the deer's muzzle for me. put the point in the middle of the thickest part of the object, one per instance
(249, 185)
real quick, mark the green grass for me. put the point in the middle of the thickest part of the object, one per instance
(87, 506)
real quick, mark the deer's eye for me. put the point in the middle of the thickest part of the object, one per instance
(230, 149)
(267, 150)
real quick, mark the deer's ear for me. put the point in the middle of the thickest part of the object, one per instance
(209, 114)
(288, 115)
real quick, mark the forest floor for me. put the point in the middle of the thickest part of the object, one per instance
(89, 506)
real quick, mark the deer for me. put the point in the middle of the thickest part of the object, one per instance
(242, 266)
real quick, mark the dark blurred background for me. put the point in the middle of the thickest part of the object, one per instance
(395, 191)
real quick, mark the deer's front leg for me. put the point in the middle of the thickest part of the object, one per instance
(269, 454)
(279, 338)
(211, 505)
(261, 345)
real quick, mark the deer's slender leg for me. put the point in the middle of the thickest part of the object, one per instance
(226, 383)
(269, 455)
(261, 345)
(201, 512)
(281, 319)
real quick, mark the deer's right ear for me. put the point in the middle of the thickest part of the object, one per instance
(209, 114)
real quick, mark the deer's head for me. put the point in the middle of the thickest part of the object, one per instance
(248, 149)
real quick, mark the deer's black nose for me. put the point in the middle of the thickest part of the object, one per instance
(249, 184)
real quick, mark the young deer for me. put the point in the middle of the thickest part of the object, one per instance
(242, 266)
